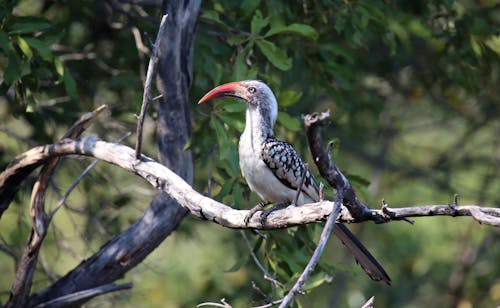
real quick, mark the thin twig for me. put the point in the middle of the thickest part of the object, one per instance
(40, 220)
(146, 98)
(74, 298)
(369, 303)
(267, 276)
(276, 302)
(78, 180)
(222, 304)
(302, 180)
(325, 235)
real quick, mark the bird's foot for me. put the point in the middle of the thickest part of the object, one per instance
(254, 210)
(265, 213)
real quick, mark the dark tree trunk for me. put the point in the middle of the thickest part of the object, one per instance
(163, 216)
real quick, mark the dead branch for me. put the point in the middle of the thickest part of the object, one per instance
(329, 170)
(162, 217)
(40, 220)
(206, 208)
(11, 178)
(146, 98)
(325, 235)
(77, 298)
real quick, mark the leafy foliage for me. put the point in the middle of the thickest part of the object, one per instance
(413, 87)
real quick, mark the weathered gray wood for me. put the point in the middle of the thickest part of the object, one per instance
(206, 208)
(163, 216)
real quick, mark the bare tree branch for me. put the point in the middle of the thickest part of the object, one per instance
(327, 167)
(206, 208)
(146, 98)
(40, 220)
(325, 235)
(9, 185)
(164, 214)
(77, 298)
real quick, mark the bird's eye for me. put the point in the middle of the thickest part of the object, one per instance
(252, 89)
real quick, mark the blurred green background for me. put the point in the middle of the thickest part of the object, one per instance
(413, 87)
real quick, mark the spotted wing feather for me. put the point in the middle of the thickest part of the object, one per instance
(288, 167)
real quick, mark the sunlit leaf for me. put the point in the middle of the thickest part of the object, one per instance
(41, 47)
(25, 48)
(59, 67)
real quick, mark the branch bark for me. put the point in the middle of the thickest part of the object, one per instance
(25, 270)
(329, 170)
(164, 214)
(206, 208)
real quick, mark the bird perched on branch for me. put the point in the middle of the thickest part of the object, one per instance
(273, 168)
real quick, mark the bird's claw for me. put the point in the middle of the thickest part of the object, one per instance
(265, 213)
(252, 212)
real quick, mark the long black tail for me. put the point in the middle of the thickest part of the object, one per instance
(364, 258)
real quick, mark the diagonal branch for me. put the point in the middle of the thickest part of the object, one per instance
(77, 298)
(146, 98)
(40, 220)
(325, 235)
(329, 170)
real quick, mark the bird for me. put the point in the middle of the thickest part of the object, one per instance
(273, 168)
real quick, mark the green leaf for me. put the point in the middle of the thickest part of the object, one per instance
(234, 120)
(239, 263)
(237, 195)
(316, 280)
(59, 66)
(41, 47)
(25, 25)
(240, 67)
(258, 22)
(212, 16)
(276, 56)
(13, 70)
(69, 83)
(299, 29)
(288, 98)
(236, 40)
(224, 191)
(222, 139)
(340, 24)
(357, 179)
(288, 122)
(248, 6)
(4, 42)
(232, 106)
(25, 48)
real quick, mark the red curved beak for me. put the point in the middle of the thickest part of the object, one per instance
(233, 89)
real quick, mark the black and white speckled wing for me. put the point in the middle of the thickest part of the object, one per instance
(287, 166)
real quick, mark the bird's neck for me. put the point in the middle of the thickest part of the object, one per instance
(258, 128)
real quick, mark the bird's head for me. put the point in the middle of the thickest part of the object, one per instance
(255, 93)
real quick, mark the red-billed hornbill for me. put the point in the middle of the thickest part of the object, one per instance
(273, 168)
